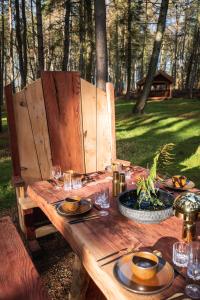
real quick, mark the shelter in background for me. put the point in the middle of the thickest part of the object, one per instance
(161, 87)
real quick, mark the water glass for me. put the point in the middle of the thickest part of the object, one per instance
(102, 198)
(193, 270)
(105, 201)
(56, 172)
(77, 182)
(180, 254)
(67, 177)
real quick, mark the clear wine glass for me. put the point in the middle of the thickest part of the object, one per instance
(56, 174)
(193, 270)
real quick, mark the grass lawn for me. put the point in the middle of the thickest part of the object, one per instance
(171, 121)
(7, 198)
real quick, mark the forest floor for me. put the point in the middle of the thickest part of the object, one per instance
(172, 121)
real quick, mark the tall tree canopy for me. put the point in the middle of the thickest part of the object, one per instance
(40, 35)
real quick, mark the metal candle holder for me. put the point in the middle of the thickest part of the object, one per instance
(187, 208)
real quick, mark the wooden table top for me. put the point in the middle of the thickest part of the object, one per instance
(97, 238)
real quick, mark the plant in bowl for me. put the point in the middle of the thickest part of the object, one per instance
(147, 203)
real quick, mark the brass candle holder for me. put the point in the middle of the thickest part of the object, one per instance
(187, 208)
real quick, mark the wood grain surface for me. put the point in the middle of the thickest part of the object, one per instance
(111, 108)
(104, 133)
(30, 170)
(19, 279)
(95, 239)
(89, 115)
(63, 108)
(12, 131)
(37, 114)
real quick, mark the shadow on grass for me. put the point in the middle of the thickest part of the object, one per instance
(139, 150)
(7, 195)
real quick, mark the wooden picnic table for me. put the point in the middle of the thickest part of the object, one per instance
(97, 238)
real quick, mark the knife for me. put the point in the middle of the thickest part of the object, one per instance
(84, 219)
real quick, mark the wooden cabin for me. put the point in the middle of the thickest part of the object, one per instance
(161, 87)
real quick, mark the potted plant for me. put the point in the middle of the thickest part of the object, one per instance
(147, 203)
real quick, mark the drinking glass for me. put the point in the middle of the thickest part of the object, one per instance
(77, 182)
(180, 254)
(105, 201)
(193, 270)
(56, 174)
(102, 200)
(67, 177)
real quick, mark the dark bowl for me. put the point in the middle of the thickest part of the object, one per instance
(128, 206)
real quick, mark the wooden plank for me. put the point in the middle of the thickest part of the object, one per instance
(111, 114)
(104, 149)
(95, 239)
(18, 276)
(30, 170)
(63, 108)
(13, 131)
(89, 112)
(45, 230)
(37, 113)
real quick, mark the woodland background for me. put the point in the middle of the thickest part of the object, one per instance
(38, 35)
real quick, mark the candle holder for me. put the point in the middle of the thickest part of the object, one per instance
(187, 208)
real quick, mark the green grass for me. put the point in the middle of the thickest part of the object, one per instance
(7, 197)
(171, 121)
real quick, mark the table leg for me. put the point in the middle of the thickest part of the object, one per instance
(80, 281)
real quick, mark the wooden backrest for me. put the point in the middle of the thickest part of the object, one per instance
(61, 119)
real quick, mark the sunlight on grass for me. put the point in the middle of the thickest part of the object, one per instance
(173, 121)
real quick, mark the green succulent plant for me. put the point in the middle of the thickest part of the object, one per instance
(146, 186)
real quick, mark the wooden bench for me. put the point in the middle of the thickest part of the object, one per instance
(19, 279)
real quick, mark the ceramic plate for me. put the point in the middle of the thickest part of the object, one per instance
(84, 207)
(124, 275)
(189, 185)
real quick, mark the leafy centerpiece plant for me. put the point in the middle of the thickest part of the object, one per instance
(147, 193)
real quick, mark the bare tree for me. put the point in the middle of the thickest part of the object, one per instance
(140, 104)
(19, 44)
(129, 50)
(40, 37)
(66, 35)
(101, 44)
(2, 50)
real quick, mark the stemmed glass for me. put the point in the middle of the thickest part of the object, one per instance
(193, 270)
(56, 174)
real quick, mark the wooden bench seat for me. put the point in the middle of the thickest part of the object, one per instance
(19, 279)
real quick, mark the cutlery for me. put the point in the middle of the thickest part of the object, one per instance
(113, 253)
(84, 219)
(81, 219)
(118, 257)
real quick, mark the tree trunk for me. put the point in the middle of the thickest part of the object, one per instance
(40, 37)
(81, 37)
(66, 35)
(101, 44)
(24, 40)
(2, 53)
(34, 69)
(19, 44)
(89, 37)
(129, 51)
(11, 59)
(140, 104)
(117, 69)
